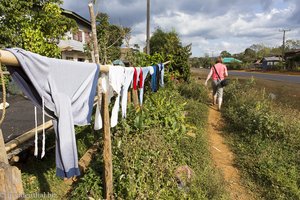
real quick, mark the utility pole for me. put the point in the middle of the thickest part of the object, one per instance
(283, 40)
(148, 28)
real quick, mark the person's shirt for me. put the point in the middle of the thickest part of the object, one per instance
(221, 69)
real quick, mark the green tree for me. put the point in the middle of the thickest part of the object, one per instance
(225, 54)
(276, 51)
(168, 44)
(34, 25)
(110, 38)
(249, 55)
(292, 44)
(261, 50)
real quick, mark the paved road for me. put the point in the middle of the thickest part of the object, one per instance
(274, 77)
(259, 75)
(19, 117)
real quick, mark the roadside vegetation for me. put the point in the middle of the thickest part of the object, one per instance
(150, 144)
(265, 138)
(148, 147)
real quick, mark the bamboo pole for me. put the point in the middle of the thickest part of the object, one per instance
(167, 62)
(107, 152)
(8, 58)
(26, 136)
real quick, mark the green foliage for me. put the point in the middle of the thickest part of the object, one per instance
(151, 143)
(168, 43)
(194, 91)
(266, 140)
(89, 186)
(35, 25)
(234, 65)
(148, 146)
(110, 38)
(225, 54)
(292, 44)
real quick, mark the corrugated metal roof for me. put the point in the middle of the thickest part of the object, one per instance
(230, 60)
(272, 58)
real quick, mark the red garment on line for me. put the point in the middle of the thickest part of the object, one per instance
(135, 76)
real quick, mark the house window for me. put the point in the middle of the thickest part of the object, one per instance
(69, 58)
(81, 59)
(87, 37)
(79, 36)
(75, 36)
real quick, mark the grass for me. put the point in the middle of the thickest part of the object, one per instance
(265, 138)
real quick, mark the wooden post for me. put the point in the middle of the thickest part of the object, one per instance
(135, 99)
(129, 97)
(10, 177)
(107, 153)
(94, 33)
(3, 155)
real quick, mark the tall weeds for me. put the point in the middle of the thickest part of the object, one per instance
(150, 144)
(266, 139)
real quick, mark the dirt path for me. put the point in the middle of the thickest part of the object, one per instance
(223, 157)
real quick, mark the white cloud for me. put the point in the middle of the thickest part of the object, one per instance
(211, 26)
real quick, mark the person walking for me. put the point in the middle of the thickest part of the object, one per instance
(218, 72)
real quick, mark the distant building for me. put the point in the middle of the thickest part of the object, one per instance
(270, 62)
(230, 60)
(72, 46)
(292, 58)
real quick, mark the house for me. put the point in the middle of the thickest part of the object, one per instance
(72, 46)
(270, 62)
(292, 58)
(230, 60)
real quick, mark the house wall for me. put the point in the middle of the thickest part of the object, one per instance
(75, 56)
(73, 44)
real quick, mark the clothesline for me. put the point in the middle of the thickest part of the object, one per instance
(7, 58)
(69, 103)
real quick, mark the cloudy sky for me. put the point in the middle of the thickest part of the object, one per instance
(210, 25)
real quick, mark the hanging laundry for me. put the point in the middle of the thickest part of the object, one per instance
(116, 79)
(137, 78)
(68, 89)
(124, 93)
(162, 73)
(116, 84)
(98, 118)
(155, 78)
(146, 70)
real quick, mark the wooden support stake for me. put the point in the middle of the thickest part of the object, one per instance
(135, 99)
(3, 155)
(10, 177)
(94, 33)
(107, 152)
(128, 97)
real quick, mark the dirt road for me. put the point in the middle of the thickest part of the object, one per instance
(223, 158)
